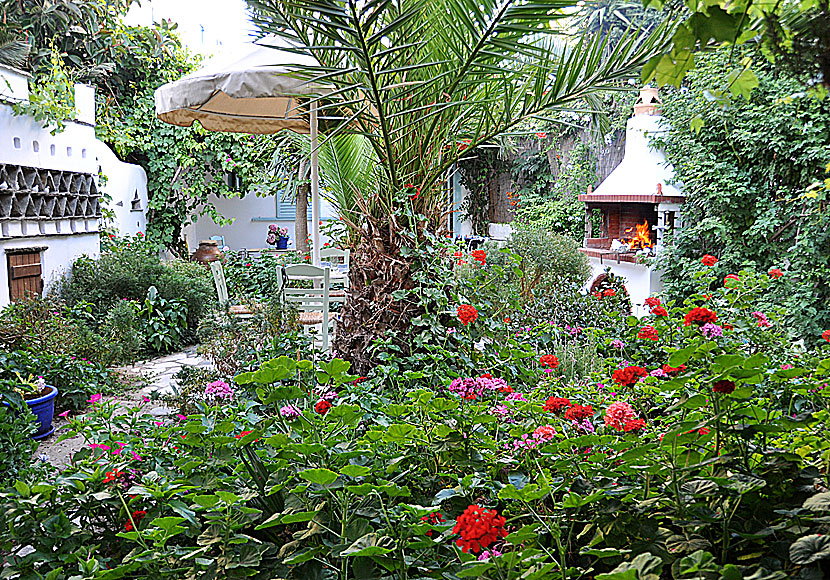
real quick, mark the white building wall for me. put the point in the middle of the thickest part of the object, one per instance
(24, 142)
(251, 217)
(641, 281)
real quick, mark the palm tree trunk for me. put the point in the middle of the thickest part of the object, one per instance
(378, 268)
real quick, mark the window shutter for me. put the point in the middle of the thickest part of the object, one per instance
(286, 207)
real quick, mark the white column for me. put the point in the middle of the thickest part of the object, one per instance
(315, 189)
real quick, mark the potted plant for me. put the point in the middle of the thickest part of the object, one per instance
(278, 236)
(40, 398)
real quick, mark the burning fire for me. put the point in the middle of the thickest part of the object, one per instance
(641, 239)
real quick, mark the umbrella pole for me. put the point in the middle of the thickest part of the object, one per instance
(315, 189)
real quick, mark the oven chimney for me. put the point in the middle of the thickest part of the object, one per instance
(648, 103)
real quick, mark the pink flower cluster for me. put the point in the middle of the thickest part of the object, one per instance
(219, 390)
(526, 442)
(471, 389)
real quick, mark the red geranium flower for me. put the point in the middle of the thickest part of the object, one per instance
(673, 370)
(557, 404)
(775, 273)
(709, 260)
(479, 256)
(629, 375)
(467, 314)
(659, 311)
(826, 335)
(541, 135)
(322, 407)
(699, 316)
(549, 360)
(433, 519)
(731, 277)
(652, 301)
(579, 412)
(112, 475)
(478, 528)
(647, 333)
(723, 386)
(635, 425)
(609, 293)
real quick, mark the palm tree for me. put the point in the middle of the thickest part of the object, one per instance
(425, 82)
(13, 51)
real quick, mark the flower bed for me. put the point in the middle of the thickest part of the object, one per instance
(686, 454)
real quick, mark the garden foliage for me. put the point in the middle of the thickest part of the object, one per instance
(694, 442)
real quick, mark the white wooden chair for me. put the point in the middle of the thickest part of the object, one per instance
(339, 260)
(314, 304)
(222, 292)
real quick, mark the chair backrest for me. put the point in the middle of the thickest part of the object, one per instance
(336, 256)
(220, 239)
(219, 280)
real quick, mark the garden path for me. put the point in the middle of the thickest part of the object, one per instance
(152, 378)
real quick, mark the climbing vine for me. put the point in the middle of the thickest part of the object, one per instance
(748, 170)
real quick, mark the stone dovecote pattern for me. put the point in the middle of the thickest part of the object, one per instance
(31, 193)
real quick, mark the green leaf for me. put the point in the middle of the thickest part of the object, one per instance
(809, 549)
(681, 356)
(206, 501)
(368, 545)
(355, 470)
(742, 82)
(819, 502)
(696, 124)
(319, 476)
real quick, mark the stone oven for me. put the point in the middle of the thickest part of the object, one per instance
(630, 212)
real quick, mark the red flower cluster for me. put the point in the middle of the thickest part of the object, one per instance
(113, 475)
(478, 528)
(433, 519)
(731, 277)
(608, 293)
(723, 386)
(775, 273)
(629, 375)
(458, 258)
(673, 370)
(467, 314)
(138, 515)
(709, 260)
(826, 335)
(541, 135)
(635, 426)
(579, 412)
(557, 404)
(479, 256)
(699, 316)
(359, 380)
(652, 301)
(659, 311)
(322, 406)
(647, 333)
(549, 360)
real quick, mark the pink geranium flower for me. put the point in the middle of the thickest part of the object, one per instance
(618, 414)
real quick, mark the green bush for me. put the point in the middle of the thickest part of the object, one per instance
(123, 332)
(548, 260)
(48, 325)
(76, 378)
(17, 425)
(128, 271)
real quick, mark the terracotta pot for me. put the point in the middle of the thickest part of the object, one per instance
(208, 252)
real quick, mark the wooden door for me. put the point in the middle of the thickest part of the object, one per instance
(25, 275)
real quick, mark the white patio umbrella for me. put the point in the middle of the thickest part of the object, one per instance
(251, 91)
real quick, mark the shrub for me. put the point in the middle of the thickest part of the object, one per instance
(123, 332)
(17, 425)
(48, 325)
(128, 271)
(548, 259)
(76, 378)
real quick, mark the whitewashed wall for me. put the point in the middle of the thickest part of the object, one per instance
(641, 281)
(251, 217)
(24, 142)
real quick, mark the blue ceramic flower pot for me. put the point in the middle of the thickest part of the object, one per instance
(44, 409)
(282, 243)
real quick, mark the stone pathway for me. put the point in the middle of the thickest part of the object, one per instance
(155, 380)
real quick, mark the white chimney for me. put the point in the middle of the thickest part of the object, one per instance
(85, 104)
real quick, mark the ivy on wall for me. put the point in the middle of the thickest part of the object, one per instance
(749, 169)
